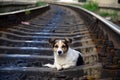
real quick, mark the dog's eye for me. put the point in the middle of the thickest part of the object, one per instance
(64, 46)
(56, 46)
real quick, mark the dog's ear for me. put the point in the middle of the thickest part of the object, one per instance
(68, 40)
(52, 41)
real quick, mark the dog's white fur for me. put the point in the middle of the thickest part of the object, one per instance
(66, 60)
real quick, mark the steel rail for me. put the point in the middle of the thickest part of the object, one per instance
(23, 10)
(113, 26)
(99, 23)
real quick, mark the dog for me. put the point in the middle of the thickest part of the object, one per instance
(64, 56)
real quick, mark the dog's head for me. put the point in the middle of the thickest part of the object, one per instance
(60, 46)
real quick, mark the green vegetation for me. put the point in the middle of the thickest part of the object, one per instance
(105, 13)
(91, 5)
(39, 3)
(112, 14)
(27, 12)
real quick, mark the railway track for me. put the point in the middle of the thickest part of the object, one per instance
(25, 48)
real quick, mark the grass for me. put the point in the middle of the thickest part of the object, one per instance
(104, 14)
(94, 7)
(90, 5)
(27, 12)
(39, 3)
(113, 15)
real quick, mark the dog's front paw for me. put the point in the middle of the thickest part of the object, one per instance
(59, 67)
(49, 65)
(46, 65)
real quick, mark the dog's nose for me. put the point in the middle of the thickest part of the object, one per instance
(59, 52)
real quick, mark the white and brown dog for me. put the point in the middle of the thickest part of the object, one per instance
(64, 56)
